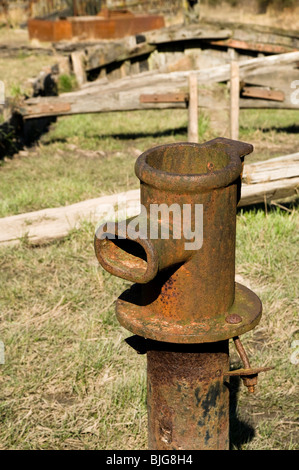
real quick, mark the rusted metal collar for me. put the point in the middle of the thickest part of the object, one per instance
(192, 167)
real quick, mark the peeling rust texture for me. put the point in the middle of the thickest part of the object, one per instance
(186, 296)
(188, 400)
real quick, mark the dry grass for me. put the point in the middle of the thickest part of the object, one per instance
(67, 366)
(71, 382)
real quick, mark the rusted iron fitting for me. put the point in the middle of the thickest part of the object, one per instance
(248, 374)
(180, 255)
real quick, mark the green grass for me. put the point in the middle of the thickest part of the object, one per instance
(67, 83)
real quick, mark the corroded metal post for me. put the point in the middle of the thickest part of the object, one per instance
(185, 301)
(188, 401)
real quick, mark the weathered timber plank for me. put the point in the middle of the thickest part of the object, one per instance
(279, 168)
(254, 46)
(269, 191)
(183, 33)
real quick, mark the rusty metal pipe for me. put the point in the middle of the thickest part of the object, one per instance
(179, 175)
(185, 299)
(188, 401)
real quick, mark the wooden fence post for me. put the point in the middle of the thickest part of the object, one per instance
(78, 67)
(193, 109)
(234, 100)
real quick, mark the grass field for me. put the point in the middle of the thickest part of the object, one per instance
(70, 381)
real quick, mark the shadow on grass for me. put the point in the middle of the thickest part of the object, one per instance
(125, 135)
(292, 129)
(142, 135)
(15, 134)
(240, 432)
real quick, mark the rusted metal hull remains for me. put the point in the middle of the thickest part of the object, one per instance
(92, 27)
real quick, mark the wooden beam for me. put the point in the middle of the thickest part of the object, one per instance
(109, 53)
(46, 225)
(234, 101)
(272, 170)
(185, 33)
(254, 46)
(268, 191)
(193, 109)
(47, 108)
(78, 67)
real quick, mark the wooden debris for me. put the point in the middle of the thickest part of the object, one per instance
(269, 191)
(257, 38)
(183, 47)
(124, 94)
(115, 52)
(254, 46)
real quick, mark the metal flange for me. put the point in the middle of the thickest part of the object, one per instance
(140, 319)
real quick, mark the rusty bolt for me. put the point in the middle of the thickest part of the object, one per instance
(233, 319)
(250, 382)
